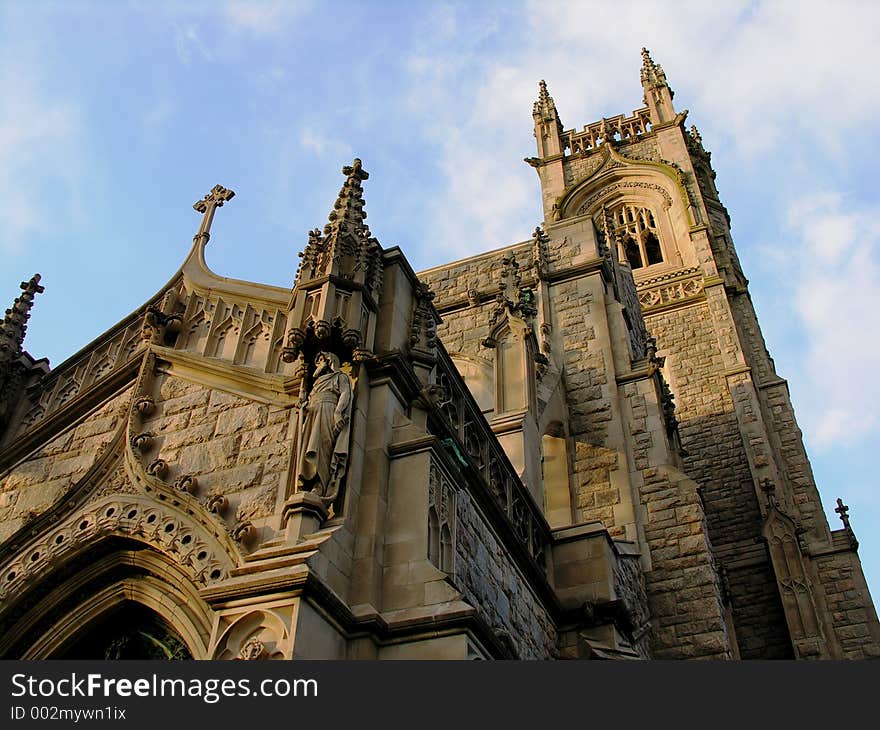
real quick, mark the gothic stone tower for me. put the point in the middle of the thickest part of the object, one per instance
(794, 587)
(483, 460)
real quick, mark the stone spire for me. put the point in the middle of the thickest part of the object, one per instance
(657, 94)
(348, 214)
(14, 325)
(548, 126)
(339, 277)
(341, 247)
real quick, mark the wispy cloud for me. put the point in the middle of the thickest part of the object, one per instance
(835, 262)
(188, 42)
(264, 17)
(39, 168)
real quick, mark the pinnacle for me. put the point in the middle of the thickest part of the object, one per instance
(348, 214)
(544, 105)
(14, 324)
(652, 73)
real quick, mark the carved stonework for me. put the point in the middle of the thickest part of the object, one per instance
(255, 635)
(678, 287)
(339, 280)
(324, 430)
(423, 332)
(795, 590)
(590, 202)
(441, 520)
(127, 515)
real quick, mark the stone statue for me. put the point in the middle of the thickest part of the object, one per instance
(324, 430)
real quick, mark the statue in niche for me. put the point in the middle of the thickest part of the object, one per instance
(325, 417)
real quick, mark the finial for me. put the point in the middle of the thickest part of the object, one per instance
(843, 511)
(652, 73)
(769, 489)
(545, 105)
(14, 325)
(356, 170)
(207, 205)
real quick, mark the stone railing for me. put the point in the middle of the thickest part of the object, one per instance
(618, 128)
(462, 423)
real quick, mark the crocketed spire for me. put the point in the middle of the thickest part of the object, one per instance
(14, 325)
(652, 73)
(348, 212)
(544, 106)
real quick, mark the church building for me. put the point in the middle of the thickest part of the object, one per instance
(573, 447)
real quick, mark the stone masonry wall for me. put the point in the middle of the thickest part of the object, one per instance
(234, 446)
(849, 604)
(34, 485)
(716, 459)
(491, 583)
(451, 283)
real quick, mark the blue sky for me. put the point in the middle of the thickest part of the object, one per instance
(116, 116)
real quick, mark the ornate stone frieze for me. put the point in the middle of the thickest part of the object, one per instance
(624, 185)
(673, 288)
(147, 520)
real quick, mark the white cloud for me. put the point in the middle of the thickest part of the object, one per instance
(188, 41)
(39, 165)
(837, 275)
(264, 17)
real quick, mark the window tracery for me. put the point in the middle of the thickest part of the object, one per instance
(637, 232)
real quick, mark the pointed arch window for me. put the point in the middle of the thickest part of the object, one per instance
(637, 231)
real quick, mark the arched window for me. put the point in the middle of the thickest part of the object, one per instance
(636, 228)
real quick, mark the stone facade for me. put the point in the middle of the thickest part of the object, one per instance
(575, 446)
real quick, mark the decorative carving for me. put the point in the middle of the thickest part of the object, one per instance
(253, 650)
(588, 204)
(207, 205)
(245, 533)
(540, 256)
(260, 634)
(324, 430)
(423, 332)
(158, 326)
(843, 512)
(143, 442)
(145, 405)
(430, 397)
(441, 520)
(472, 445)
(154, 523)
(781, 533)
(75, 377)
(339, 279)
(218, 504)
(158, 468)
(187, 483)
(680, 286)
(473, 297)
(608, 131)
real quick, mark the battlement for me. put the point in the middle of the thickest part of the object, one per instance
(618, 128)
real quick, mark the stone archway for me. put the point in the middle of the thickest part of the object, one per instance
(120, 599)
(129, 631)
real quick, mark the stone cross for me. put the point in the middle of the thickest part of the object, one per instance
(843, 511)
(213, 200)
(769, 488)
